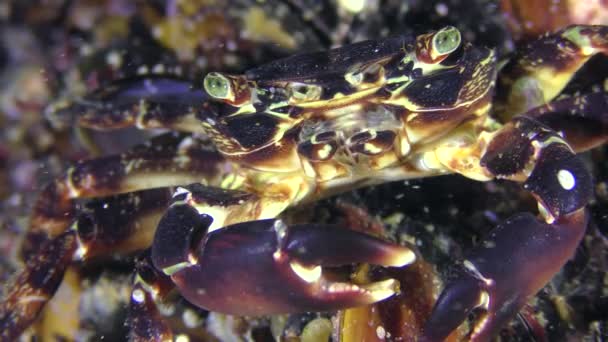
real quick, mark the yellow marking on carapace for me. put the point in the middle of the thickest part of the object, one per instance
(404, 102)
(245, 109)
(340, 101)
(286, 160)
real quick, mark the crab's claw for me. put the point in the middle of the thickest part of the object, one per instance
(518, 258)
(266, 267)
(522, 254)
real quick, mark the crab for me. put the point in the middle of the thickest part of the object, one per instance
(307, 127)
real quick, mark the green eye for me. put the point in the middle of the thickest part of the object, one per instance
(446, 40)
(217, 85)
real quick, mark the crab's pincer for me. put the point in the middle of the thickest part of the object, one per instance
(523, 253)
(265, 267)
(513, 263)
(530, 152)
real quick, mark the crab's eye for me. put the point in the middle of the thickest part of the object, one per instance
(304, 92)
(446, 40)
(217, 85)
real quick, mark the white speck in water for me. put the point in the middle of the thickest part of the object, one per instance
(441, 9)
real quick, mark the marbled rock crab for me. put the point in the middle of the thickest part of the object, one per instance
(309, 126)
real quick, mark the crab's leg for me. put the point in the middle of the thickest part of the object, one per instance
(167, 160)
(32, 288)
(145, 321)
(262, 266)
(116, 225)
(582, 119)
(145, 102)
(542, 68)
(523, 253)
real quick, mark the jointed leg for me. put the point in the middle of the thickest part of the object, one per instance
(542, 68)
(150, 286)
(582, 119)
(115, 225)
(168, 160)
(34, 286)
(146, 102)
(523, 253)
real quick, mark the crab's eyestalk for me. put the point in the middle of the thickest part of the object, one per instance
(445, 41)
(230, 89)
(218, 86)
(435, 47)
